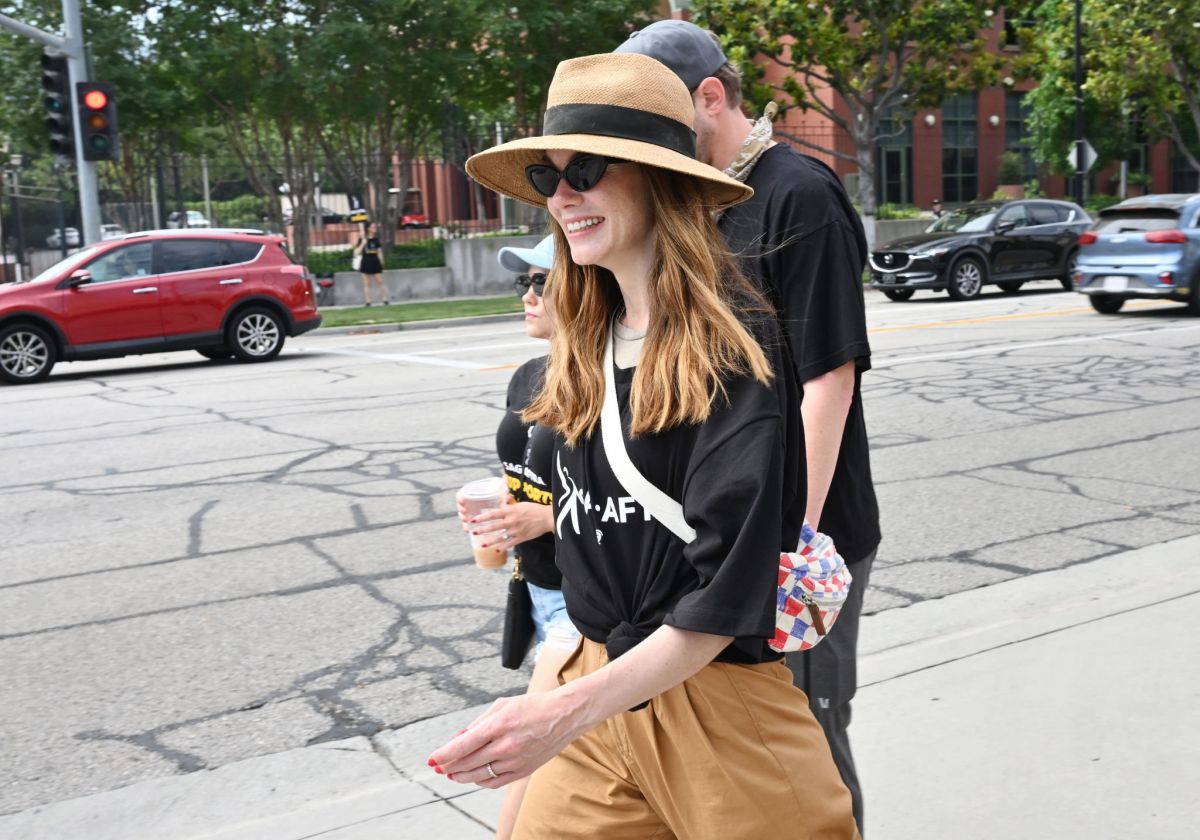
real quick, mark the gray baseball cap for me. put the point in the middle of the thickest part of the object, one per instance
(684, 47)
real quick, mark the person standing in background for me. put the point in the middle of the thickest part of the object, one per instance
(370, 250)
(800, 238)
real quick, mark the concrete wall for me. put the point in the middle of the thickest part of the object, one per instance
(472, 263)
(402, 284)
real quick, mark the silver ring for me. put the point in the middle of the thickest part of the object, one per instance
(491, 772)
(504, 534)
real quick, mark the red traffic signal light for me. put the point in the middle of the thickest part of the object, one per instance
(97, 100)
(98, 120)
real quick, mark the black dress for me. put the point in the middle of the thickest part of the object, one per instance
(370, 257)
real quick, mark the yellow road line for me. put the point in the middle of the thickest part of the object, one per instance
(985, 319)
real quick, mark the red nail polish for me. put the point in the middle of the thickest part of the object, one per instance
(432, 763)
(439, 770)
(451, 777)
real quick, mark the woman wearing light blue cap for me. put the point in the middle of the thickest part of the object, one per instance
(526, 527)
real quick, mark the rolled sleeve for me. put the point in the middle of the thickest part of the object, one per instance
(733, 500)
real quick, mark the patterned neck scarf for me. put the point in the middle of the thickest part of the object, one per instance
(754, 145)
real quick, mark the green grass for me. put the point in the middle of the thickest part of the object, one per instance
(366, 316)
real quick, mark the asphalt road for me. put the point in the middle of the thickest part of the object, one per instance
(203, 562)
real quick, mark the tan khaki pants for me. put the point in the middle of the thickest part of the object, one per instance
(733, 752)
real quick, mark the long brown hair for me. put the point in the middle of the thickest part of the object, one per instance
(695, 337)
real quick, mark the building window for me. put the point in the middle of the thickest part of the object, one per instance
(1184, 179)
(960, 153)
(1016, 132)
(893, 159)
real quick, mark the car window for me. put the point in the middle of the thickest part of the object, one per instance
(1046, 214)
(244, 251)
(1136, 221)
(1015, 214)
(122, 263)
(970, 219)
(193, 254)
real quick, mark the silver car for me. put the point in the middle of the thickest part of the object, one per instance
(1147, 247)
(55, 240)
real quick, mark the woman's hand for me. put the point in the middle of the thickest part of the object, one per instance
(513, 524)
(515, 736)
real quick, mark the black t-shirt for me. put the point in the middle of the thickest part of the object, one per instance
(625, 575)
(526, 451)
(801, 240)
(371, 245)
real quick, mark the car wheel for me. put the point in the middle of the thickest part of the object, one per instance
(216, 354)
(898, 294)
(27, 354)
(966, 279)
(1194, 297)
(1010, 286)
(255, 335)
(1068, 279)
(1106, 304)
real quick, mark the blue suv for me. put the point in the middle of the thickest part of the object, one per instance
(1147, 247)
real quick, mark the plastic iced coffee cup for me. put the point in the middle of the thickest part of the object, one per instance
(479, 497)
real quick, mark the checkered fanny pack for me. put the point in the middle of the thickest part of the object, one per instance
(813, 580)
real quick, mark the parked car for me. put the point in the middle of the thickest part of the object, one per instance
(111, 231)
(55, 240)
(414, 220)
(188, 219)
(1146, 247)
(1003, 243)
(226, 294)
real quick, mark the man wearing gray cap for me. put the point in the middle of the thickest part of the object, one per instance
(801, 240)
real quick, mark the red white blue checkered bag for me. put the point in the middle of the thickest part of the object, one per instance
(813, 585)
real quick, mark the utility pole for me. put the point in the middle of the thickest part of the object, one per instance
(71, 45)
(1080, 168)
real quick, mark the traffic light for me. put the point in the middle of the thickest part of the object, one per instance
(98, 120)
(56, 81)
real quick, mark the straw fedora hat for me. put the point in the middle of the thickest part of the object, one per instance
(620, 105)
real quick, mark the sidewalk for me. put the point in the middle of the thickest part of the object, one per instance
(1048, 707)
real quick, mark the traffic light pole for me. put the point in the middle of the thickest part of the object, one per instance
(71, 46)
(89, 184)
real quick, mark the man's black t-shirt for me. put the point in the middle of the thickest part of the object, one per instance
(526, 452)
(800, 239)
(625, 574)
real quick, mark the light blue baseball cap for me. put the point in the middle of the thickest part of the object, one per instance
(519, 260)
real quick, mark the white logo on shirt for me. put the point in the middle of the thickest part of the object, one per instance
(572, 499)
(619, 509)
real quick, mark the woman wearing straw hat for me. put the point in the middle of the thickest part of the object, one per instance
(673, 718)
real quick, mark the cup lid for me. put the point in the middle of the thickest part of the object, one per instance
(484, 488)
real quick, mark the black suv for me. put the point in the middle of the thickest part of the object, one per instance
(1006, 243)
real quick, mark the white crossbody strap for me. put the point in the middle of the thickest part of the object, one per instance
(657, 503)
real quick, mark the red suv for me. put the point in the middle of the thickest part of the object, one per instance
(223, 293)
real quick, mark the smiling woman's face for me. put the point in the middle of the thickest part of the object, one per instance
(608, 225)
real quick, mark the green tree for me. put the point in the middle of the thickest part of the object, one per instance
(881, 59)
(1142, 67)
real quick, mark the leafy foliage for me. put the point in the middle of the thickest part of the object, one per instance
(882, 59)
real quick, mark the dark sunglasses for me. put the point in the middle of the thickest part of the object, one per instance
(524, 281)
(581, 174)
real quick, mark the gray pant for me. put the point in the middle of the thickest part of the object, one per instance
(828, 674)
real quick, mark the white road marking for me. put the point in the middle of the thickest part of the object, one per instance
(404, 357)
(1006, 348)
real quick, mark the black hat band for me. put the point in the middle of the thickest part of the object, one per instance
(621, 122)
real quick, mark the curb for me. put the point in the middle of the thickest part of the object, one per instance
(435, 324)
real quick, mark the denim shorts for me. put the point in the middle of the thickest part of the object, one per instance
(550, 622)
